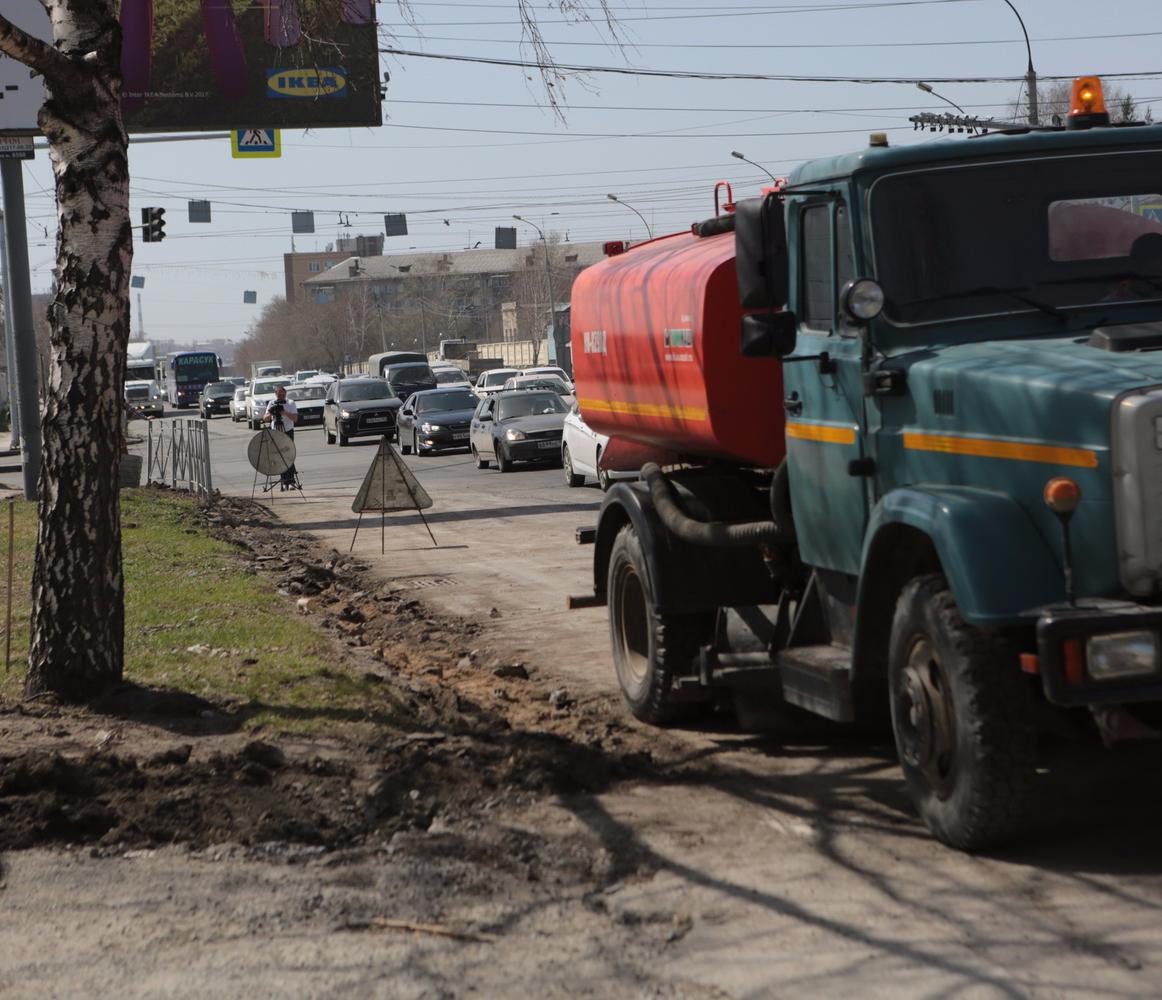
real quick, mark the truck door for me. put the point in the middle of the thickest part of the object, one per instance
(824, 398)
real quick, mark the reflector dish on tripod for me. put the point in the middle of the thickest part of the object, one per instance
(271, 452)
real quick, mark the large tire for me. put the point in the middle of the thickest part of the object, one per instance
(571, 477)
(503, 462)
(650, 650)
(481, 463)
(420, 452)
(330, 438)
(343, 439)
(405, 449)
(961, 715)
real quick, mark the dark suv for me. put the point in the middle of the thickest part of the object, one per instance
(215, 398)
(358, 407)
(409, 377)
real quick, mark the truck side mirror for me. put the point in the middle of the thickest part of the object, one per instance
(760, 253)
(769, 335)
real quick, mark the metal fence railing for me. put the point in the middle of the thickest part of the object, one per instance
(178, 453)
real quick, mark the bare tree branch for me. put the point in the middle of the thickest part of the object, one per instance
(38, 55)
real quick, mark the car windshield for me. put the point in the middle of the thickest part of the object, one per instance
(1077, 231)
(529, 404)
(264, 388)
(498, 377)
(240, 392)
(353, 391)
(544, 382)
(444, 377)
(220, 390)
(438, 401)
(306, 392)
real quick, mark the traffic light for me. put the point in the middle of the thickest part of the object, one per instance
(153, 225)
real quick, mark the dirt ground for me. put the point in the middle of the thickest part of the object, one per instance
(463, 811)
(497, 833)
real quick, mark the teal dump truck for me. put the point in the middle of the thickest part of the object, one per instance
(904, 422)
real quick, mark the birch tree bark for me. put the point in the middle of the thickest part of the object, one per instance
(78, 615)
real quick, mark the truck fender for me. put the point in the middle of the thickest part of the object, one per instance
(684, 578)
(627, 503)
(996, 561)
(997, 564)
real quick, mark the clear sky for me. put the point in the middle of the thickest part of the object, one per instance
(464, 146)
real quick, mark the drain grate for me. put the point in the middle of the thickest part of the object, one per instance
(421, 582)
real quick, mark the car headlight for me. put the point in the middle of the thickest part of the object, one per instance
(346, 414)
(1122, 654)
(429, 428)
(512, 434)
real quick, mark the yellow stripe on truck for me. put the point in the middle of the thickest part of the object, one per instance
(1050, 454)
(821, 433)
(691, 413)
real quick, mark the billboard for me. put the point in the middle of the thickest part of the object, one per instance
(210, 65)
(190, 65)
(22, 94)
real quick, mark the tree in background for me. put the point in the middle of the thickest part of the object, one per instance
(1053, 104)
(78, 607)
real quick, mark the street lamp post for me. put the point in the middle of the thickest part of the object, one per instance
(558, 339)
(613, 197)
(1030, 74)
(738, 156)
(927, 88)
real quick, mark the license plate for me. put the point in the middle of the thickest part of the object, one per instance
(548, 444)
(376, 420)
(460, 436)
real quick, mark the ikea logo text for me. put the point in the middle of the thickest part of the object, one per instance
(328, 81)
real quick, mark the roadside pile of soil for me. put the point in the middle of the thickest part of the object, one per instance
(144, 768)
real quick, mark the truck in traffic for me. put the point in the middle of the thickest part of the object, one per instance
(265, 369)
(905, 419)
(143, 391)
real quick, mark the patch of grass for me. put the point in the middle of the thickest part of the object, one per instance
(197, 621)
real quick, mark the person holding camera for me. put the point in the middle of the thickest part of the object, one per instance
(282, 415)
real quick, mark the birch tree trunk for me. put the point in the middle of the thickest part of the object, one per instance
(78, 614)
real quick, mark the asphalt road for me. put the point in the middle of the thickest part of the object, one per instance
(804, 871)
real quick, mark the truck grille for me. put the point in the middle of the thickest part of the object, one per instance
(545, 435)
(1137, 469)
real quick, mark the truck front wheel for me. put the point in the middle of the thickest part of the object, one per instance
(961, 720)
(650, 650)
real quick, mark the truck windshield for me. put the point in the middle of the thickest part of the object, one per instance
(1004, 237)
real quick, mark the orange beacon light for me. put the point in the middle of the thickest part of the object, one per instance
(1087, 104)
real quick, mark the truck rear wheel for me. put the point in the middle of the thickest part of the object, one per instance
(650, 650)
(961, 720)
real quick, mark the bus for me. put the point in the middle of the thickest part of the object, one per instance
(187, 373)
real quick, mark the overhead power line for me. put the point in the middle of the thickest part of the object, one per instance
(676, 74)
(762, 46)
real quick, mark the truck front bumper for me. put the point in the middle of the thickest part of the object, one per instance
(1100, 652)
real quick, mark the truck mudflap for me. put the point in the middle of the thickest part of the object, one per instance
(1099, 653)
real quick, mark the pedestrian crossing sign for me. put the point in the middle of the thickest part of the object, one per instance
(251, 143)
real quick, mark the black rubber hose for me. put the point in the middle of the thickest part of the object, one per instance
(714, 227)
(781, 499)
(716, 534)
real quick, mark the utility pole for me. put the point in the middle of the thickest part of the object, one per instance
(9, 336)
(19, 287)
(1030, 73)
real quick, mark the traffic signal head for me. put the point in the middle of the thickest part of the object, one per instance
(153, 225)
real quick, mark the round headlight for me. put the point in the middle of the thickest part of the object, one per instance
(862, 299)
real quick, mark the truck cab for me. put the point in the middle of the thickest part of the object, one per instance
(964, 532)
